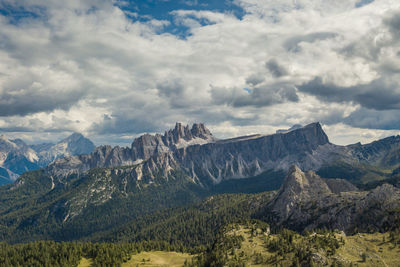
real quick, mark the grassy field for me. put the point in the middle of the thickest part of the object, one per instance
(158, 258)
(358, 250)
(152, 258)
(85, 262)
(370, 250)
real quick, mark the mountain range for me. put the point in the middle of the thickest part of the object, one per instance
(16, 157)
(163, 177)
(210, 161)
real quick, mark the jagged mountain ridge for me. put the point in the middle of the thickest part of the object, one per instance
(16, 157)
(142, 148)
(210, 159)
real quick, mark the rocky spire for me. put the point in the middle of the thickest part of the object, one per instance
(200, 130)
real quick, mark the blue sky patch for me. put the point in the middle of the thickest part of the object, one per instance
(161, 10)
(362, 3)
(17, 14)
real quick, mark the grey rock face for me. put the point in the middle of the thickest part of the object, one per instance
(339, 185)
(249, 156)
(305, 201)
(202, 157)
(143, 148)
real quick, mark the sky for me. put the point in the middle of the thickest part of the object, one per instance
(115, 69)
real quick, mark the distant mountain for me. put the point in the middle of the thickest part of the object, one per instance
(16, 157)
(75, 144)
(202, 157)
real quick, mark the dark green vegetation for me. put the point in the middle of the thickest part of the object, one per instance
(164, 210)
(71, 211)
(50, 253)
(247, 243)
(364, 176)
(266, 181)
(192, 226)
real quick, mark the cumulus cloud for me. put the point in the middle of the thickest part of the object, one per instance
(89, 66)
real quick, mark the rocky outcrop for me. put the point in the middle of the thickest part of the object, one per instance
(306, 201)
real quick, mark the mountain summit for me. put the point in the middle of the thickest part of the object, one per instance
(75, 144)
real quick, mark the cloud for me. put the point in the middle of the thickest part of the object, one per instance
(260, 96)
(373, 119)
(293, 44)
(379, 94)
(88, 66)
(276, 69)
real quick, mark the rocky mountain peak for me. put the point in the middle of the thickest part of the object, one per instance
(307, 201)
(73, 137)
(303, 184)
(5, 142)
(148, 145)
(200, 130)
(182, 132)
(298, 187)
(316, 130)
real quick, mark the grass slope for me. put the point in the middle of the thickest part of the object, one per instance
(158, 258)
(85, 262)
(251, 245)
